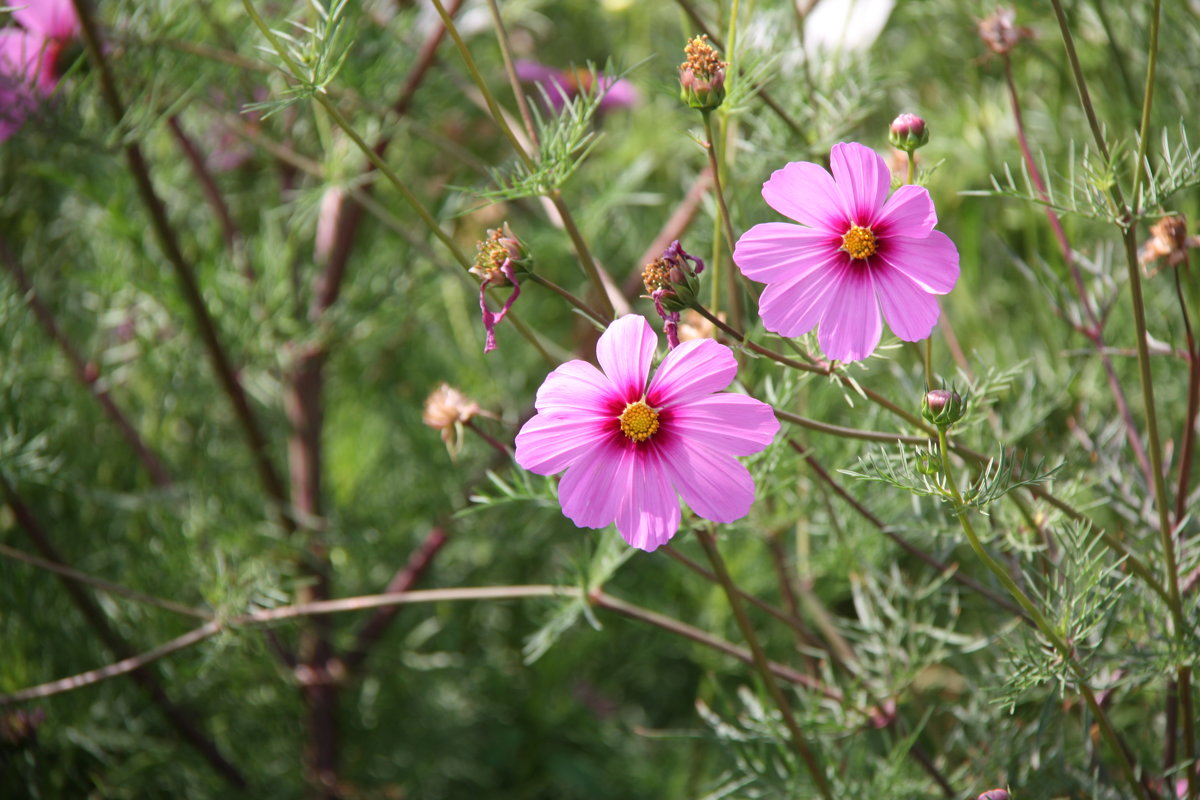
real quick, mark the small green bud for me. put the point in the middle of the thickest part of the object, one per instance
(702, 76)
(942, 407)
(908, 132)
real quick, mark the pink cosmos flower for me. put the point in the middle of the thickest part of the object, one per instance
(561, 85)
(29, 57)
(855, 251)
(629, 446)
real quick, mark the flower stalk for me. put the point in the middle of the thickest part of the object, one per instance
(708, 542)
(1046, 628)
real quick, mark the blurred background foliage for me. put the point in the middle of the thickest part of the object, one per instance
(446, 705)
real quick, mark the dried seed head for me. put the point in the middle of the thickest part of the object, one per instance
(1169, 240)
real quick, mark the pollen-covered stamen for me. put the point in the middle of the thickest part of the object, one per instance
(639, 421)
(859, 242)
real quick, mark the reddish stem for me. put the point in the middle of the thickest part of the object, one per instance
(86, 373)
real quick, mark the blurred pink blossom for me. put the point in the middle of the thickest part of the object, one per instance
(29, 58)
(562, 85)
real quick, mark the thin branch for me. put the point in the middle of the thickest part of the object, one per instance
(180, 719)
(167, 240)
(401, 582)
(85, 373)
(65, 571)
(208, 186)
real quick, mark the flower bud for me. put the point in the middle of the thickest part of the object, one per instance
(908, 132)
(995, 794)
(942, 407)
(702, 75)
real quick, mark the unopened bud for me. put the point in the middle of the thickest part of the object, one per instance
(908, 132)
(995, 794)
(702, 76)
(942, 407)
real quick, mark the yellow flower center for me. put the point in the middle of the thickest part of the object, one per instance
(639, 421)
(859, 242)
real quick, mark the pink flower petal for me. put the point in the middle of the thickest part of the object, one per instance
(851, 326)
(55, 19)
(727, 423)
(649, 513)
(806, 193)
(592, 489)
(713, 484)
(932, 262)
(910, 311)
(793, 307)
(775, 251)
(862, 179)
(577, 389)
(617, 94)
(547, 445)
(691, 371)
(624, 352)
(908, 212)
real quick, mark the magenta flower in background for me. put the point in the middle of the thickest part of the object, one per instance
(561, 85)
(629, 446)
(855, 252)
(29, 57)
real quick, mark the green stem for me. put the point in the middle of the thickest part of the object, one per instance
(1139, 166)
(586, 261)
(511, 71)
(727, 223)
(590, 312)
(1047, 629)
(709, 543)
(1136, 565)
(366, 149)
(1129, 234)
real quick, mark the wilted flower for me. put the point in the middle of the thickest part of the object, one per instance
(672, 284)
(856, 251)
(562, 85)
(702, 75)
(498, 259)
(628, 447)
(29, 57)
(1000, 32)
(908, 132)
(447, 410)
(1169, 240)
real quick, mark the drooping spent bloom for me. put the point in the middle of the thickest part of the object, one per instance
(856, 251)
(702, 75)
(498, 259)
(447, 410)
(671, 281)
(1168, 239)
(629, 446)
(562, 85)
(29, 57)
(1000, 32)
